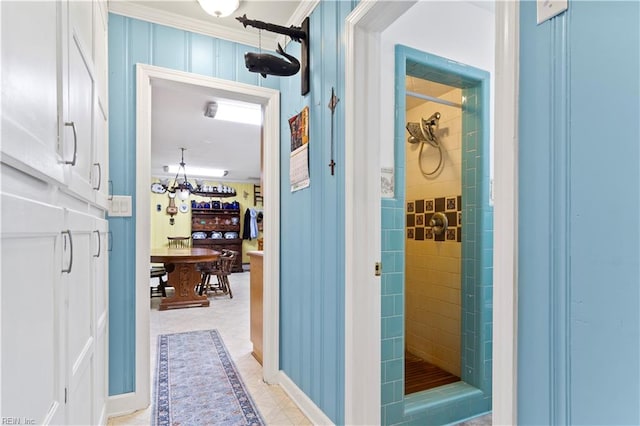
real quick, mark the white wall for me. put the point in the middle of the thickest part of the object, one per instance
(461, 31)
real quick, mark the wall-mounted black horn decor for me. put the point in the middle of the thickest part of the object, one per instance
(267, 64)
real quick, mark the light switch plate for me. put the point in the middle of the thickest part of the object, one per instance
(547, 9)
(120, 206)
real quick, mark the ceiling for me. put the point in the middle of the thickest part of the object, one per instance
(178, 119)
(263, 10)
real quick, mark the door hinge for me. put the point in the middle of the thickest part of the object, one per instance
(378, 269)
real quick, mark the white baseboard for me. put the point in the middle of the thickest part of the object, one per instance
(315, 415)
(123, 404)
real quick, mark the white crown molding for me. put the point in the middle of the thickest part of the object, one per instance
(240, 35)
(303, 10)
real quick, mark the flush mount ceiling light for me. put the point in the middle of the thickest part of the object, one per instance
(219, 8)
(211, 109)
(235, 111)
(200, 171)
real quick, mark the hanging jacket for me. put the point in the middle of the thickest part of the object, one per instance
(254, 224)
(246, 227)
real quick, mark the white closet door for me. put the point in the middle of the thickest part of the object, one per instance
(101, 279)
(80, 320)
(32, 312)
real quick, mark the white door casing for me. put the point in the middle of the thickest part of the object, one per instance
(270, 100)
(362, 193)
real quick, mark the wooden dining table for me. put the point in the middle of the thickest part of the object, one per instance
(180, 264)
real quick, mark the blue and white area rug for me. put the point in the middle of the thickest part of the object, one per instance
(198, 384)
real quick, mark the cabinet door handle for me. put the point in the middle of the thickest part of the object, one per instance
(75, 142)
(110, 242)
(68, 269)
(99, 243)
(97, 188)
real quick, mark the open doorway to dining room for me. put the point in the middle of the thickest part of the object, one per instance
(269, 100)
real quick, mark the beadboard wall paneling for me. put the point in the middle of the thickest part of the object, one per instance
(133, 41)
(312, 230)
(578, 295)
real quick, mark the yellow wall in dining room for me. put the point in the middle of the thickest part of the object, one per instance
(161, 228)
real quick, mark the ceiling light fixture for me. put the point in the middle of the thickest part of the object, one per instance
(200, 171)
(211, 109)
(181, 185)
(234, 111)
(219, 8)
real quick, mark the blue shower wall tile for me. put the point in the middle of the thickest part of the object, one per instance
(388, 393)
(387, 349)
(395, 370)
(392, 327)
(395, 240)
(388, 305)
(399, 304)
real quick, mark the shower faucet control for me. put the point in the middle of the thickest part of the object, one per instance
(439, 223)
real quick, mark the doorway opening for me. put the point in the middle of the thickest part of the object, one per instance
(433, 194)
(450, 266)
(269, 99)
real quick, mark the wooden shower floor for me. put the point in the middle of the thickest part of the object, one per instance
(420, 375)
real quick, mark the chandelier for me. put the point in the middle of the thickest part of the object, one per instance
(181, 185)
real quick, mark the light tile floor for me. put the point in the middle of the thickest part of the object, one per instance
(231, 318)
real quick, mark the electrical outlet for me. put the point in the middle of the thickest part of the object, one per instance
(547, 9)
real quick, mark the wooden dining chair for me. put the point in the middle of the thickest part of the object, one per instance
(221, 270)
(179, 242)
(160, 290)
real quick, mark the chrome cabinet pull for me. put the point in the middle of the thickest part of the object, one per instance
(97, 188)
(99, 244)
(75, 142)
(68, 270)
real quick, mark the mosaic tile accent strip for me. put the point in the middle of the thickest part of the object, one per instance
(419, 213)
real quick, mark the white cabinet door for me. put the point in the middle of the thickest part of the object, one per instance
(81, 24)
(101, 321)
(100, 169)
(32, 312)
(100, 51)
(30, 86)
(78, 120)
(80, 319)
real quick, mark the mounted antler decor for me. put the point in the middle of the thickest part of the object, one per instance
(267, 64)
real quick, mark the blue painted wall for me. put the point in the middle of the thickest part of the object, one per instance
(312, 224)
(132, 41)
(579, 186)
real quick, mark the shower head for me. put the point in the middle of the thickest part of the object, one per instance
(432, 121)
(415, 133)
(425, 131)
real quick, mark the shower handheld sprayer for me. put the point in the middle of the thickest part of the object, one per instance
(426, 131)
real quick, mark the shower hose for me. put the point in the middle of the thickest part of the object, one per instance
(435, 145)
